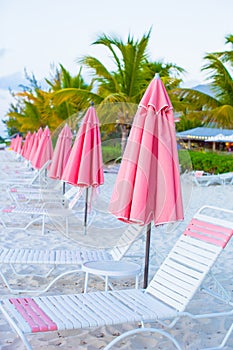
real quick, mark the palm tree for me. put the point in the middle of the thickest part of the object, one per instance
(31, 108)
(62, 83)
(127, 83)
(124, 86)
(215, 110)
(35, 107)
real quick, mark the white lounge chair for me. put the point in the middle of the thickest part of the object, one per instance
(71, 260)
(46, 211)
(227, 178)
(21, 195)
(164, 301)
(37, 177)
(201, 178)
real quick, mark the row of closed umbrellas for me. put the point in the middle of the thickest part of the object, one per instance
(80, 165)
(147, 187)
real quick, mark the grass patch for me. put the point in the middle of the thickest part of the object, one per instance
(110, 153)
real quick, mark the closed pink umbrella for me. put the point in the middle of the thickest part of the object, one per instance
(36, 140)
(12, 144)
(147, 187)
(61, 153)
(18, 144)
(44, 151)
(30, 146)
(84, 167)
(26, 144)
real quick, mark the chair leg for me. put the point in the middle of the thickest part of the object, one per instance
(67, 226)
(38, 291)
(224, 341)
(16, 328)
(19, 228)
(43, 225)
(142, 330)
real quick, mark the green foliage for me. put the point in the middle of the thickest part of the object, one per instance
(187, 123)
(185, 161)
(66, 95)
(214, 110)
(211, 162)
(110, 152)
(35, 107)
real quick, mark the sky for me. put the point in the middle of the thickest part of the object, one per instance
(36, 34)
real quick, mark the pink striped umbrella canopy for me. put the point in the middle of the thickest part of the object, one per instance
(61, 153)
(26, 144)
(13, 142)
(30, 145)
(18, 144)
(84, 167)
(36, 140)
(147, 188)
(44, 151)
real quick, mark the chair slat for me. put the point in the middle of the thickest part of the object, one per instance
(196, 264)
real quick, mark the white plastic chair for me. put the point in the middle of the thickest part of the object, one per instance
(70, 259)
(164, 301)
(54, 213)
(36, 177)
(202, 179)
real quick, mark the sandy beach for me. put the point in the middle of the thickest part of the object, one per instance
(103, 232)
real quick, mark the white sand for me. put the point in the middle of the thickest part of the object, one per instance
(103, 232)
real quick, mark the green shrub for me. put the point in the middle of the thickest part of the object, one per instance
(210, 162)
(214, 163)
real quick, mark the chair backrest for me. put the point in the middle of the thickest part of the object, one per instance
(40, 171)
(76, 193)
(189, 261)
(126, 240)
(198, 173)
(71, 192)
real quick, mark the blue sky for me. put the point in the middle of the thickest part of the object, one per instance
(36, 34)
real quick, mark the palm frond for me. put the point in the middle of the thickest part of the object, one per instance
(221, 79)
(110, 43)
(79, 96)
(101, 73)
(134, 57)
(66, 77)
(197, 99)
(129, 58)
(221, 116)
(226, 56)
(114, 98)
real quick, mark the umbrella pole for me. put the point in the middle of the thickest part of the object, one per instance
(63, 191)
(147, 255)
(85, 214)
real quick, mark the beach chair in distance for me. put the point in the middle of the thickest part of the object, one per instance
(38, 178)
(21, 196)
(19, 193)
(227, 178)
(164, 301)
(42, 213)
(200, 178)
(71, 259)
